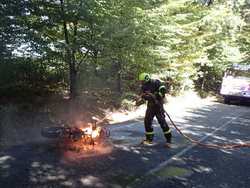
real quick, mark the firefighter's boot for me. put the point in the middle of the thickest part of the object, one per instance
(147, 142)
(149, 139)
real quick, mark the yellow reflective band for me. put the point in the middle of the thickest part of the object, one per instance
(161, 87)
(160, 94)
(149, 133)
(167, 132)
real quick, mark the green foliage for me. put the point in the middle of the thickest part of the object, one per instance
(196, 43)
(104, 45)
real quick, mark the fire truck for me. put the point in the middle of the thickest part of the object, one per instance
(236, 84)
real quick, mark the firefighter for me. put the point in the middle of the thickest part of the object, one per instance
(153, 91)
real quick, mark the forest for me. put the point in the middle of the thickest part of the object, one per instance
(92, 51)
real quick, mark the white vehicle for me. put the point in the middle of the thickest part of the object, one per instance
(236, 84)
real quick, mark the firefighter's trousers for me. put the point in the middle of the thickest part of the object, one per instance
(158, 111)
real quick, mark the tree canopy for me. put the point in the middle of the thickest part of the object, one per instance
(81, 45)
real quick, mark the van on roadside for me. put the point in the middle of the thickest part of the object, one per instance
(236, 84)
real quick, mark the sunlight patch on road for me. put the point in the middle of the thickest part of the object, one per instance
(46, 173)
(91, 181)
(4, 159)
(203, 169)
(128, 148)
(145, 159)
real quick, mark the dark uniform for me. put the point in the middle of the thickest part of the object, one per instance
(153, 91)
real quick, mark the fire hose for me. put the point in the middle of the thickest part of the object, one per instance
(194, 141)
(217, 146)
(203, 144)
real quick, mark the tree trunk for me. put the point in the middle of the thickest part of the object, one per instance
(73, 76)
(73, 69)
(119, 76)
(70, 55)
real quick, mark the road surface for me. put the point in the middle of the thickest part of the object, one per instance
(124, 162)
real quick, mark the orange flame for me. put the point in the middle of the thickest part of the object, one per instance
(94, 132)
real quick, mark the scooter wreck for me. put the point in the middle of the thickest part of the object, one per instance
(88, 135)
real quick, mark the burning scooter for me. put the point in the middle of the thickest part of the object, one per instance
(90, 135)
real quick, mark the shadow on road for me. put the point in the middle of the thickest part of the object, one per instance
(123, 161)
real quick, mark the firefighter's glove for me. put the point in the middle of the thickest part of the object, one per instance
(145, 96)
(153, 96)
(148, 97)
(139, 102)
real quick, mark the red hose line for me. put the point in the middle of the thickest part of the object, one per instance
(207, 145)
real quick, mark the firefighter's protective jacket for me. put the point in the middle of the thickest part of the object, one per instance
(153, 91)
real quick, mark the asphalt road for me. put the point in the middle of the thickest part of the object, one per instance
(124, 162)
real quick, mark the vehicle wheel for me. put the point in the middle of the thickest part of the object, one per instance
(52, 132)
(227, 100)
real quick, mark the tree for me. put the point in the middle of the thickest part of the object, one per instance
(183, 41)
(53, 28)
(196, 42)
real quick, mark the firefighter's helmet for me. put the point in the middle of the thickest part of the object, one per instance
(144, 77)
